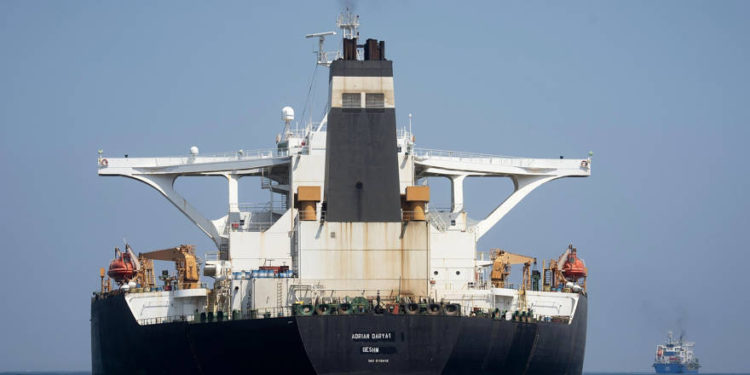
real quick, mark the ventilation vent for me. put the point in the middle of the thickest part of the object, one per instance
(374, 100)
(351, 100)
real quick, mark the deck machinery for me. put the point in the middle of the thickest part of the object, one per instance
(348, 268)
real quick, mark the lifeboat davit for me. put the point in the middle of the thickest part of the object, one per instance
(574, 268)
(122, 268)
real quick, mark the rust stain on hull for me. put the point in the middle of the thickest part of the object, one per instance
(388, 257)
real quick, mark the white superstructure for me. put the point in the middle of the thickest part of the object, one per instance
(435, 259)
(250, 237)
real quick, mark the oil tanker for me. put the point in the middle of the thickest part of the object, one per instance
(347, 268)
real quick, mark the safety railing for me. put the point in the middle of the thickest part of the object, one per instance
(262, 216)
(264, 313)
(274, 205)
(166, 319)
(441, 220)
(297, 132)
(468, 157)
(422, 154)
(428, 152)
(212, 256)
(269, 312)
(254, 224)
(242, 154)
(403, 133)
(421, 306)
(219, 316)
(163, 161)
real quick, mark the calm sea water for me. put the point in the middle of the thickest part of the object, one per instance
(585, 373)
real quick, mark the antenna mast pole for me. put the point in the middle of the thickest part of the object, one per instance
(322, 54)
(348, 23)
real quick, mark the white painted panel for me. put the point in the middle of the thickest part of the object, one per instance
(153, 306)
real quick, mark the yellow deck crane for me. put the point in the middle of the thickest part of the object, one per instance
(502, 261)
(185, 261)
(501, 265)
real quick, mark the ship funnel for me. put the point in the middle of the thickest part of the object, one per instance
(361, 177)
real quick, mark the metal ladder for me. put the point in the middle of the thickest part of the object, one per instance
(265, 183)
(278, 296)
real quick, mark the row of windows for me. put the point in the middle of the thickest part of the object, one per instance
(354, 100)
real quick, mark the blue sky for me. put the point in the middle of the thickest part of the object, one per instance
(658, 90)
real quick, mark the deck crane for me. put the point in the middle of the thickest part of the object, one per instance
(185, 261)
(502, 262)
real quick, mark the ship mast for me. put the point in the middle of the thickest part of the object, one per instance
(348, 23)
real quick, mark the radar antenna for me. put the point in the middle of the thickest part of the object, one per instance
(348, 23)
(322, 55)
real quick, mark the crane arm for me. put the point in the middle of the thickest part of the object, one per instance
(511, 258)
(502, 260)
(133, 258)
(517, 259)
(562, 259)
(185, 261)
(164, 254)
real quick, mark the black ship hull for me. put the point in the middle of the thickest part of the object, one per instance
(334, 344)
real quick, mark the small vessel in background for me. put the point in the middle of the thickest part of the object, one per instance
(676, 357)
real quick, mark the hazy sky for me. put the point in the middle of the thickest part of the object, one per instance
(658, 90)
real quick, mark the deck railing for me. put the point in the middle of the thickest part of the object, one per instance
(166, 319)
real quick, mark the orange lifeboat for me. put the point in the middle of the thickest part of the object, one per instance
(122, 268)
(574, 268)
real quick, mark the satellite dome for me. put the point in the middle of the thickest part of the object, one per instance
(287, 114)
(194, 150)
